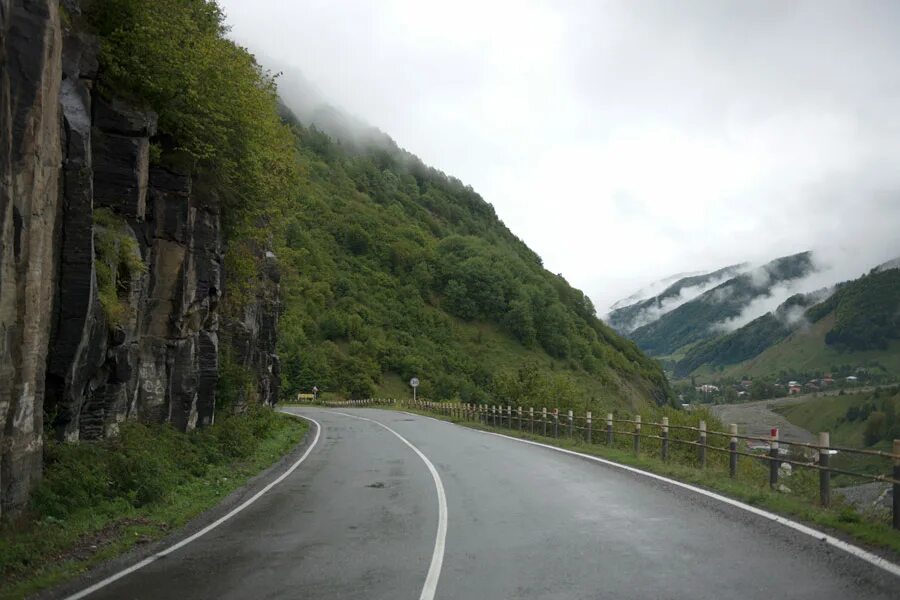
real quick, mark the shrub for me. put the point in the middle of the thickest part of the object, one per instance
(144, 464)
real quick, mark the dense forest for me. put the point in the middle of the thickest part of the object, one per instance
(867, 312)
(397, 270)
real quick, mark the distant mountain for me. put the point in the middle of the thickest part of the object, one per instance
(641, 308)
(650, 290)
(708, 315)
(751, 339)
(891, 264)
(857, 325)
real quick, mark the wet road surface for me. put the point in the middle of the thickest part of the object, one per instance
(359, 519)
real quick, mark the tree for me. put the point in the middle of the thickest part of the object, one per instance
(875, 428)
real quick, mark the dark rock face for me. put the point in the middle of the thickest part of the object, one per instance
(251, 335)
(75, 173)
(30, 77)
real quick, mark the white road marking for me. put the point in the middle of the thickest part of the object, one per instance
(437, 557)
(208, 528)
(856, 551)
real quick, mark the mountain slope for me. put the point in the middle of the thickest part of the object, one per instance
(749, 340)
(393, 270)
(627, 316)
(857, 326)
(696, 320)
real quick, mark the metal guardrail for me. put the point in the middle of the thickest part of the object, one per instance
(551, 423)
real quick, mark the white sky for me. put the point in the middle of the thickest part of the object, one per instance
(627, 140)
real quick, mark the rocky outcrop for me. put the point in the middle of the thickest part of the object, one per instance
(149, 350)
(111, 263)
(251, 335)
(30, 79)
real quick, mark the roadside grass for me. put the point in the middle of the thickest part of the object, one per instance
(98, 500)
(750, 486)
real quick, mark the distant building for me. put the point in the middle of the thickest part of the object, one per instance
(794, 389)
(852, 379)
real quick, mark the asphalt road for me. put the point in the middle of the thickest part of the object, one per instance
(359, 519)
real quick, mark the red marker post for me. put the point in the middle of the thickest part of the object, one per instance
(773, 459)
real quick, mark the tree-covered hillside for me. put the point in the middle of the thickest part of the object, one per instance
(696, 320)
(392, 270)
(867, 312)
(858, 325)
(751, 339)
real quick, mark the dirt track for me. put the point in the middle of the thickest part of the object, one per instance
(757, 418)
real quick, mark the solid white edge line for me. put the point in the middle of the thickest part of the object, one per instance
(856, 551)
(208, 528)
(437, 557)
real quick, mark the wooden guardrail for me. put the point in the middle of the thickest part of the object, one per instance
(551, 423)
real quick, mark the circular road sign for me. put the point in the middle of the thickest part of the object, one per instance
(414, 382)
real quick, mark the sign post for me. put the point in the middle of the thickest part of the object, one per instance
(414, 382)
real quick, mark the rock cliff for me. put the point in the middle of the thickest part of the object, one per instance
(111, 258)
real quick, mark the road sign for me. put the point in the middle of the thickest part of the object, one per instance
(414, 382)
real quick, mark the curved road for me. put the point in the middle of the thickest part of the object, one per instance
(359, 519)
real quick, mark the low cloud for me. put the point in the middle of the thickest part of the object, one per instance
(831, 267)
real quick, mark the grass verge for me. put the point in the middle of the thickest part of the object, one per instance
(750, 486)
(98, 500)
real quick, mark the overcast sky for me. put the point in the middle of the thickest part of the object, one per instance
(627, 140)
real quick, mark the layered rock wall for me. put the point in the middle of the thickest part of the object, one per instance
(30, 158)
(111, 263)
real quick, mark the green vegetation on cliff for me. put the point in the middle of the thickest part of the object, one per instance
(389, 268)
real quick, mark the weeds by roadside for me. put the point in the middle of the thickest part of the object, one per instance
(99, 499)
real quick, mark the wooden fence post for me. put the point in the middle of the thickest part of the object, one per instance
(664, 434)
(556, 422)
(571, 425)
(896, 485)
(824, 474)
(732, 451)
(609, 429)
(521, 424)
(773, 459)
(588, 425)
(544, 420)
(702, 447)
(531, 419)
(637, 435)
